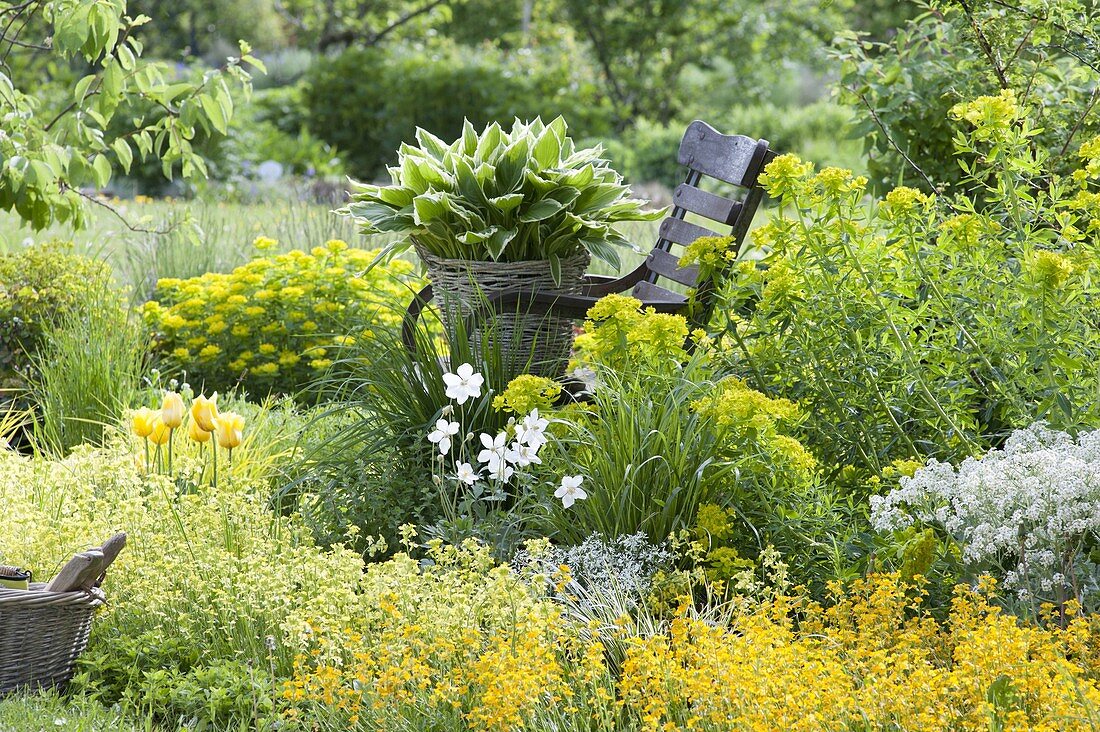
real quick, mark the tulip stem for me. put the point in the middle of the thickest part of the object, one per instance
(170, 433)
(214, 449)
(146, 455)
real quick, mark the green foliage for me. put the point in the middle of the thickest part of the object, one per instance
(213, 596)
(642, 48)
(371, 465)
(55, 146)
(87, 372)
(367, 102)
(273, 325)
(195, 28)
(923, 326)
(39, 287)
(341, 23)
(666, 434)
(1046, 53)
(521, 195)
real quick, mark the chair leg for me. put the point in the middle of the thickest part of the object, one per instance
(408, 324)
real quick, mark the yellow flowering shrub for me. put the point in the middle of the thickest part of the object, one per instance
(527, 392)
(620, 335)
(872, 658)
(276, 323)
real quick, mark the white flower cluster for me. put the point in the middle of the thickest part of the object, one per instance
(516, 447)
(1029, 508)
(603, 567)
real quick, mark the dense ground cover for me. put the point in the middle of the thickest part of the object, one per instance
(862, 496)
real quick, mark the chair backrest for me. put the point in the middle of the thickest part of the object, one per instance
(732, 159)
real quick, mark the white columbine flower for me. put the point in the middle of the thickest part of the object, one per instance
(466, 473)
(495, 448)
(463, 384)
(523, 455)
(442, 435)
(570, 490)
(532, 430)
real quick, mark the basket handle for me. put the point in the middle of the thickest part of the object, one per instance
(87, 569)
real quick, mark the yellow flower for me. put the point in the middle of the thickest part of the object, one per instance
(197, 433)
(229, 429)
(209, 352)
(172, 410)
(142, 422)
(160, 431)
(205, 411)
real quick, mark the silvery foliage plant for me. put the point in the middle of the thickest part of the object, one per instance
(1029, 513)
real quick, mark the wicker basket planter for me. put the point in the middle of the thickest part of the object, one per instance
(41, 635)
(459, 285)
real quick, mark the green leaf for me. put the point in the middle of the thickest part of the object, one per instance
(102, 169)
(555, 268)
(499, 241)
(427, 208)
(124, 154)
(540, 211)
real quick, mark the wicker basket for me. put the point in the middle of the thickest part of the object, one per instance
(546, 340)
(41, 635)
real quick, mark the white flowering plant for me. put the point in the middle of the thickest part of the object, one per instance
(1028, 513)
(479, 474)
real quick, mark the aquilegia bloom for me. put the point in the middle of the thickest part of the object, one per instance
(442, 435)
(570, 490)
(463, 384)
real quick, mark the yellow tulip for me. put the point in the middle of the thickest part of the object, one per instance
(196, 433)
(172, 410)
(205, 411)
(229, 429)
(142, 422)
(160, 432)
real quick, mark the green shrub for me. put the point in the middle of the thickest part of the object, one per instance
(960, 51)
(273, 325)
(922, 326)
(40, 286)
(367, 102)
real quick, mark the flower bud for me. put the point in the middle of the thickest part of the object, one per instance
(172, 410)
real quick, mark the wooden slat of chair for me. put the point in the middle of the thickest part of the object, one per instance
(679, 231)
(704, 203)
(667, 265)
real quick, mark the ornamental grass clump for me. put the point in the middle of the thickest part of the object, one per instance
(1029, 513)
(505, 196)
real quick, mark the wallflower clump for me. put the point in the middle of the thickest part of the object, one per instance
(1029, 512)
(273, 325)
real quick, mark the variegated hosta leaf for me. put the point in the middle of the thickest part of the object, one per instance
(525, 193)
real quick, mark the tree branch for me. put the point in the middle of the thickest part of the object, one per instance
(118, 214)
(890, 139)
(348, 36)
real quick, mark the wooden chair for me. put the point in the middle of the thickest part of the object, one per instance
(732, 159)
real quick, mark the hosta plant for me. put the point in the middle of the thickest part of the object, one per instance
(505, 196)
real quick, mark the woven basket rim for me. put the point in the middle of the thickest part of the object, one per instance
(424, 254)
(38, 596)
